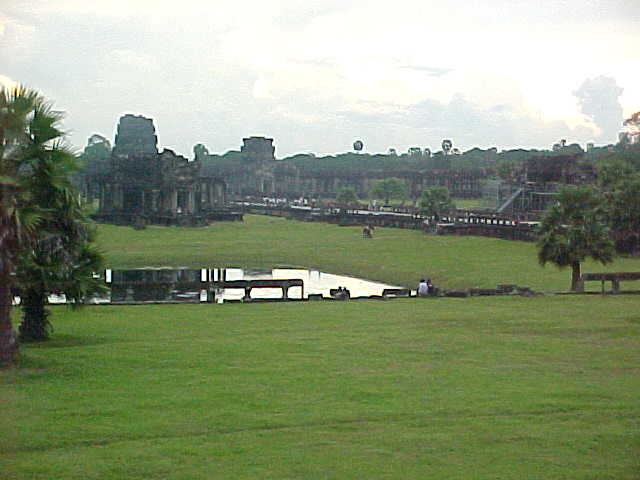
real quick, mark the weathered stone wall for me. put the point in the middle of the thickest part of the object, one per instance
(143, 186)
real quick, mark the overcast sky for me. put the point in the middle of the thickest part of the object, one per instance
(318, 74)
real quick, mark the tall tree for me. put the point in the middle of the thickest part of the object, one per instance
(623, 214)
(61, 258)
(39, 211)
(18, 217)
(612, 172)
(574, 229)
(447, 145)
(391, 188)
(435, 201)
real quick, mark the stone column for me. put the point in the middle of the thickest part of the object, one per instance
(173, 205)
(101, 205)
(190, 200)
(154, 201)
(165, 197)
(117, 197)
(143, 201)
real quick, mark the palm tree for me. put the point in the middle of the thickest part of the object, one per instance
(572, 230)
(31, 158)
(60, 258)
(18, 218)
(447, 145)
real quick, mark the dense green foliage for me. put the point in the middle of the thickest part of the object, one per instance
(507, 388)
(504, 164)
(389, 189)
(619, 185)
(60, 257)
(26, 124)
(574, 229)
(435, 201)
(53, 254)
(623, 211)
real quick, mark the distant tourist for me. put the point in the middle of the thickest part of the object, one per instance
(342, 294)
(423, 288)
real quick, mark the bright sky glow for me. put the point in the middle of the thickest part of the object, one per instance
(316, 75)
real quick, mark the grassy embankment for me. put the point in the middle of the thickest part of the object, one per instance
(510, 388)
(500, 387)
(394, 256)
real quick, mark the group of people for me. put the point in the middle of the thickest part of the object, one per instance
(425, 288)
(342, 293)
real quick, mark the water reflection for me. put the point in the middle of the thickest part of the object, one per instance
(202, 285)
(315, 283)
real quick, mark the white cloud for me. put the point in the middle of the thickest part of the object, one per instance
(215, 71)
(261, 88)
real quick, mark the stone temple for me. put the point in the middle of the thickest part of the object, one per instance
(144, 186)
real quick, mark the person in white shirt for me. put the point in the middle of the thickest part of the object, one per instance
(423, 288)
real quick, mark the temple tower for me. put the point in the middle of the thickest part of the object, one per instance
(135, 135)
(258, 149)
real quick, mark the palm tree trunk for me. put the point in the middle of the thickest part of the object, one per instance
(8, 343)
(35, 325)
(576, 282)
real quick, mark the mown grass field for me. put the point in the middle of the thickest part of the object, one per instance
(394, 256)
(509, 388)
(480, 388)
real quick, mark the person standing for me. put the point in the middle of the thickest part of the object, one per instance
(423, 288)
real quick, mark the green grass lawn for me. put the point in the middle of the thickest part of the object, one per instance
(482, 388)
(394, 256)
(469, 203)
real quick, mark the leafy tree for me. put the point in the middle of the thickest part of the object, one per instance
(574, 229)
(93, 160)
(414, 152)
(623, 213)
(61, 258)
(435, 201)
(620, 187)
(447, 145)
(612, 172)
(18, 219)
(391, 188)
(200, 152)
(35, 199)
(346, 196)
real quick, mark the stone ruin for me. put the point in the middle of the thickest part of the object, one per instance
(136, 135)
(144, 186)
(259, 174)
(538, 181)
(258, 149)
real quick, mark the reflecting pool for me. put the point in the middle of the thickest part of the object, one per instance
(224, 284)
